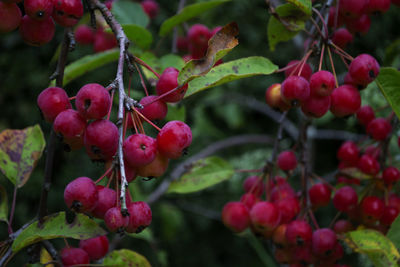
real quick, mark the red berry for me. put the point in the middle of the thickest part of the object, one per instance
(52, 101)
(368, 165)
(156, 168)
(391, 175)
(84, 34)
(173, 138)
(73, 256)
(93, 101)
(265, 217)
(365, 115)
(320, 195)
(114, 220)
(36, 32)
(107, 198)
(372, 208)
(150, 7)
(70, 126)
(81, 195)
(198, 36)
(348, 153)
(10, 17)
(316, 106)
(67, 13)
(352, 9)
(139, 150)
(342, 37)
(379, 128)
(96, 247)
(345, 101)
(282, 192)
(323, 242)
(298, 232)
(345, 199)
(394, 201)
(322, 83)
(389, 215)
(249, 200)
(335, 20)
(287, 160)
(279, 235)
(104, 41)
(254, 185)
(140, 217)
(157, 110)
(38, 9)
(359, 25)
(101, 140)
(295, 67)
(364, 69)
(378, 6)
(273, 97)
(169, 81)
(342, 226)
(295, 90)
(289, 208)
(182, 44)
(235, 216)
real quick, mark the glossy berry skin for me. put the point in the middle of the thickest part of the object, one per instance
(84, 34)
(150, 7)
(295, 67)
(274, 99)
(38, 9)
(235, 216)
(368, 165)
(81, 195)
(320, 195)
(365, 115)
(10, 17)
(295, 90)
(73, 256)
(96, 247)
(104, 41)
(249, 200)
(372, 208)
(345, 101)
(364, 69)
(282, 192)
(265, 217)
(254, 185)
(156, 168)
(316, 106)
(348, 153)
(342, 226)
(70, 126)
(36, 32)
(114, 220)
(391, 175)
(352, 9)
(322, 83)
(157, 110)
(198, 36)
(173, 138)
(345, 199)
(101, 140)
(167, 82)
(93, 101)
(342, 37)
(67, 13)
(287, 160)
(379, 128)
(139, 150)
(323, 241)
(298, 232)
(140, 217)
(389, 215)
(107, 198)
(289, 208)
(52, 101)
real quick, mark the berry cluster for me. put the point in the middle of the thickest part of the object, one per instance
(37, 25)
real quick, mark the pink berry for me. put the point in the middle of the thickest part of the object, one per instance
(96, 247)
(364, 69)
(38, 9)
(169, 81)
(322, 83)
(345, 199)
(273, 97)
(352, 9)
(70, 126)
(379, 128)
(36, 32)
(295, 90)
(345, 101)
(107, 198)
(389, 215)
(265, 217)
(359, 25)
(104, 41)
(378, 6)
(348, 153)
(316, 106)
(365, 115)
(391, 175)
(139, 150)
(342, 37)
(67, 13)
(101, 140)
(289, 208)
(254, 185)
(93, 101)
(84, 34)
(298, 232)
(157, 110)
(150, 7)
(320, 194)
(52, 101)
(140, 217)
(323, 242)
(235, 216)
(372, 208)
(10, 17)
(73, 256)
(156, 168)
(342, 226)
(295, 67)
(287, 160)
(173, 138)
(249, 200)
(114, 220)
(368, 165)
(81, 194)
(198, 36)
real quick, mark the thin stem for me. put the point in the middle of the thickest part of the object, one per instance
(112, 100)
(164, 95)
(321, 57)
(312, 217)
(105, 173)
(141, 79)
(333, 66)
(174, 49)
(341, 50)
(323, 22)
(144, 64)
(14, 201)
(146, 119)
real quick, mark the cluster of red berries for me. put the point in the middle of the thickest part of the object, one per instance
(37, 25)
(91, 249)
(196, 41)
(317, 92)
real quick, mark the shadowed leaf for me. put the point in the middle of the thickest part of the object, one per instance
(303, 5)
(125, 257)
(394, 232)
(3, 204)
(129, 12)
(19, 152)
(388, 82)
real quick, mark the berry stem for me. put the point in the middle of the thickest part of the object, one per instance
(112, 99)
(335, 219)
(303, 62)
(132, 58)
(10, 231)
(312, 217)
(323, 22)
(163, 95)
(141, 79)
(333, 66)
(105, 173)
(146, 119)
(344, 53)
(321, 57)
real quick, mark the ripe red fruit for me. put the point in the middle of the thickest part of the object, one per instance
(140, 216)
(182, 44)
(323, 242)
(198, 36)
(342, 37)
(378, 6)
(352, 9)
(394, 201)
(84, 34)
(345, 199)
(365, 115)
(289, 208)
(173, 138)
(345, 101)
(265, 217)
(364, 69)
(379, 128)
(156, 168)
(150, 7)
(52, 101)
(157, 110)
(342, 226)
(316, 106)
(70, 126)
(320, 194)
(38, 9)
(391, 175)
(169, 81)
(101, 140)
(282, 192)
(348, 153)
(81, 195)
(274, 99)
(235, 216)
(389, 215)
(73, 256)
(359, 25)
(104, 41)
(298, 232)
(96, 247)
(93, 101)
(279, 235)
(295, 90)
(295, 67)
(372, 208)
(139, 150)
(10, 17)
(114, 220)
(36, 32)
(249, 200)
(67, 13)
(107, 198)
(368, 165)
(287, 160)
(254, 185)
(322, 83)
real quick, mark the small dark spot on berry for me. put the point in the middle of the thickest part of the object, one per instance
(140, 228)
(95, 150)
(87, 103)
(371, 74)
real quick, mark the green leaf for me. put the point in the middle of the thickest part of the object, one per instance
(56, 226)
(292, 21)
(176, 113)
(303, 5)
(3, 205)
(146, 235)
(394, 233)
(187, 13)
(230, 71)
(375, 245)
(129, 12)
(202, 174)
(160, 64)
(125, 257)
(388, 82)
(19, 152)
(138, 35)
